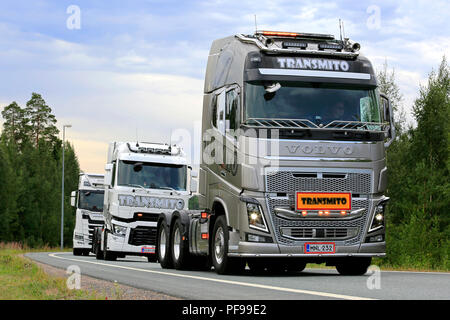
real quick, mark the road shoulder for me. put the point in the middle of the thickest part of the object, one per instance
(111, 290)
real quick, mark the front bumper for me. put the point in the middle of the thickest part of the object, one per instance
(252, 249)
(125, 244)
(81, 244)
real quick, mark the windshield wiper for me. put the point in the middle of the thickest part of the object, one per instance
(134, 185)
(169, 188)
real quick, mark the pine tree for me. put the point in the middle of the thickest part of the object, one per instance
(15, 123)
(41, 120)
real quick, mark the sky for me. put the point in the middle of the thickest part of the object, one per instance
(127, 70)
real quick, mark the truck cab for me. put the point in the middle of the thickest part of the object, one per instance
(88, 201)
(142, 180)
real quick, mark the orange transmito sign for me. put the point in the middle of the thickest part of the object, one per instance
(323, 201)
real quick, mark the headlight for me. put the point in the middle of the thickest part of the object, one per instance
(256, 217)
(119, 231)
(378, 217)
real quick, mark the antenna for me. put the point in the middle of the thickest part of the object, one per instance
(137, 139)
(256, 26)
(343, 30)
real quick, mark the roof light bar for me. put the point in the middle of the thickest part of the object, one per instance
(333, 46)
(291, 44)
(295, 35)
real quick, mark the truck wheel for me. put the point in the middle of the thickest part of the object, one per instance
(163, 252)
(294, 266)
(219, 250)
(257, 265)
(77, 252)
(108, 255)
(178, 249)
(98, 252)
(86, 252)
(353, 267)
(96, 243)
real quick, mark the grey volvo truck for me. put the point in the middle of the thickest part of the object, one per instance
(293, 163)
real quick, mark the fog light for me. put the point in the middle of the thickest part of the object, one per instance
(378, 238)
(256, 238)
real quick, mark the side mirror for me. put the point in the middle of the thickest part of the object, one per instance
(388, 117)
(73, 198)
(194, 185)
(108, 174)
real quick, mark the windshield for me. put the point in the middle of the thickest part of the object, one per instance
(91, 200)
(152, 175)
(318, 103)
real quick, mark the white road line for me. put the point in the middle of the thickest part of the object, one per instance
(396, 271)
(244, 284)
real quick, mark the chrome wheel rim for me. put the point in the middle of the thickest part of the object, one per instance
(176, 243)
(219, 245)
(162, 243)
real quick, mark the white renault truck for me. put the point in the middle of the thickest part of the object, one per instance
(88, 200)
(293, 163)
(142, 180)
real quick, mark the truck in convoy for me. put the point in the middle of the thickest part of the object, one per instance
(88, 201)
(142, 180)
(293, 165)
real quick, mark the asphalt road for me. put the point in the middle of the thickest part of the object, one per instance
(207, 285)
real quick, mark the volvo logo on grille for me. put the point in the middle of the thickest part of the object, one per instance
(319, 149)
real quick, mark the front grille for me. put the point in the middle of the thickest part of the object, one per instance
(292, 181)
(142, 236)
(282, 187)
(334, 226)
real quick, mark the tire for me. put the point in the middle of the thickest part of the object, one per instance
(219, 250)
(200, 263)
(353, 266)
(98, 253)
(163, 247)
(77, 252)
(86, 252)
(257, 265)
(96, 243)
(276, 267)
(294, 266)
(108, 255)
(178, 247)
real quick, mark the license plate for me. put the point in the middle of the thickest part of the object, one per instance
(148, 250)
(320, 247)
(323, 201)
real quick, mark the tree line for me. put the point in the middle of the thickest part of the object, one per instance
(30, 175)
(418, 230)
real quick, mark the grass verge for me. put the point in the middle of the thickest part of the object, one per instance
(21, 279)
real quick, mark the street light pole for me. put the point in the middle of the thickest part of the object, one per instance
(62, 185)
